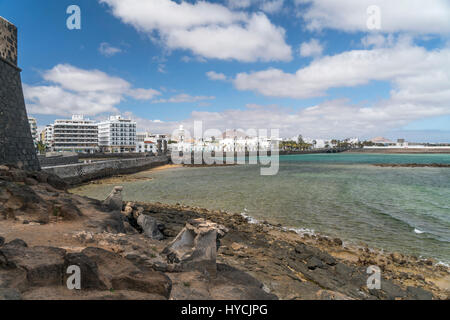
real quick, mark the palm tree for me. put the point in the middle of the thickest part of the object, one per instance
(42, 147)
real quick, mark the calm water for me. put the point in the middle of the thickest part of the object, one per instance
(342, 195)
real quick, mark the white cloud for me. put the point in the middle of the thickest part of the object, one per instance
(183, 98)
(54, 100)
(313, 48)
(108, 50)
(273, 6)
(331, 119)
(208, 30)
(419, 79)
(415, 16)
(268, 6)
(377, 41)
(81, 80)
(212, 75)
(408, 68)
(78, 91)
(143, 94)
(234, 4)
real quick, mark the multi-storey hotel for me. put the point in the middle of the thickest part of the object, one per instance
(76, 135)
(117, 135)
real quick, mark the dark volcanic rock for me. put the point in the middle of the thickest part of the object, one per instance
(248, 287)
(56, 182)
(120, 274)
(419, 293)
(43, 265)
(90, 278)
(17, 243)
(9, 294)
(314, 263)
(40, 269)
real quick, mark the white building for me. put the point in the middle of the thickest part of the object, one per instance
(33, 127)
(47, 136)
(147, 142)
(117, 135)
(75, 135)
(229, 141)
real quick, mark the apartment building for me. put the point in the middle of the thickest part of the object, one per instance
(33, 127)
(75, 135)
(46, 136)
(117, 135)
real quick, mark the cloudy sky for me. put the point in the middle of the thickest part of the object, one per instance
(320, 68)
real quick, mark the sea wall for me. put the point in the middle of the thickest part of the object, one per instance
(58, 160)
(79, 173)
(100, 155)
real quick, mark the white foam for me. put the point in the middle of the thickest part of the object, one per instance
(249, 219)
(440, 263)
(418, 231)
(301, 231)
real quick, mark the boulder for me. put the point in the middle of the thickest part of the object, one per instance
(150, 227)
(90, 278)
(114, 201)
(2, 241)
(314, 263)
(119, 273)
(195, 247)
(9, 294)
(43, 265)
(67, 210)
(17, 243)
(30, 182)
(419, 293)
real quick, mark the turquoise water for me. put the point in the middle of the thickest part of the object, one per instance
(341, 195)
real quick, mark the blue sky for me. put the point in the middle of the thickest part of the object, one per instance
(238, 64)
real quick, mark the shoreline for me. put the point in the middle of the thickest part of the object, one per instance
(356, 244)
(45, 225)
(400, 268)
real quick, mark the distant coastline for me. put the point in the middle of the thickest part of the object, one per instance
(413, 165)
(400, 151)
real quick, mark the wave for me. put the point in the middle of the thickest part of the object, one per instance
(249, 218)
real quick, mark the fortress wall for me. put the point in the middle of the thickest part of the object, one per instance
(16, 142)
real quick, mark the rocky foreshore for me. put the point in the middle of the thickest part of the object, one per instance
(158, 251)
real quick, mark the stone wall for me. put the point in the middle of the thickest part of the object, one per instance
(16, 143)
(100, 155)
(58, 160)
(78, 173)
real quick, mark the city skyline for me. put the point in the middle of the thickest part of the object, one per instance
(142, 68)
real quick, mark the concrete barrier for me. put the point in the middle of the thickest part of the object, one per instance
(78, 173)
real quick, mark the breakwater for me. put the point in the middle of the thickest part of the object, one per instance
(75, 174)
